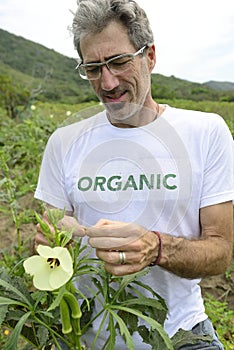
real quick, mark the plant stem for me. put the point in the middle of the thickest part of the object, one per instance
(52, 332)
(91, 321)
(12, 199)
(99, 329)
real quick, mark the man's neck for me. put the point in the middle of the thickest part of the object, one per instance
(141, 118)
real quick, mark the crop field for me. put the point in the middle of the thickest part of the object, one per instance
(22, 142)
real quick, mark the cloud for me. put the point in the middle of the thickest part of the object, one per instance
(187, 33)
(45, 22)
(194, 39)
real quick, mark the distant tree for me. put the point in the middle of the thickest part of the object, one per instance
(228, 98)
(12, 96)
(162, 91)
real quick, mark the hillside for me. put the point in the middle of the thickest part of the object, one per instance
(36, 67)
(33, 65)
(217, 85)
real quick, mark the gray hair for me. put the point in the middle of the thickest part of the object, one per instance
(93, 16)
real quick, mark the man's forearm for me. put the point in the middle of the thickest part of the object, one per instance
(195, 258)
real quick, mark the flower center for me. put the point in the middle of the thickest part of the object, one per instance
(53, 262)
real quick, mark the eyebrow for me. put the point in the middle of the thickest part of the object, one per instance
(107, 58)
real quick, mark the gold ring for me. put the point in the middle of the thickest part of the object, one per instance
(122, 258)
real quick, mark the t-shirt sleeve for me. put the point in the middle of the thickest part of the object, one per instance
(51, 183)
(218, 181)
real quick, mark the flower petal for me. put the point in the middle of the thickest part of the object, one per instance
(59, 277)
(40, 270)
(45, 275)
(60, 253)
(34, 264)
(46, 252)
(65, 260)
(41, 279)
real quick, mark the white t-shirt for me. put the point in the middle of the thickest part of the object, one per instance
(159, 176)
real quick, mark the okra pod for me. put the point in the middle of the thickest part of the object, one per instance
(73, 304)
(65, 317)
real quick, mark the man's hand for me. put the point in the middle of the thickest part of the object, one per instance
(112, 238)
(67, 223)
(207, 255)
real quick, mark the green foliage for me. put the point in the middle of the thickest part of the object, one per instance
(22, 143)
(225, 109)
(21, 146)
(41, 67)
(222, 318)
(57, 314)
(181, 338)
(171, 88)
(35, 66)
(12, 95)
(216, 85)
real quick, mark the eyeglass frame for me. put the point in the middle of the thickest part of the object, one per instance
(105, 63)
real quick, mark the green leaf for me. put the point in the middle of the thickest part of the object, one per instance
(46, 314)
(87, 311)
(98, 284)
(27, 332)
(130, 320)
(39, 297)
(153, 324)
(183, 337)
(149, 306)
(8, 301)
(3, 181)
(156, 341)
(144, 286)
(126, 280)
(100, 328)
(13, 340)
(110, 344)
(152, 338)
(65, 237)
(123, 330)
(86, 269)
(58, 299)
(55, 215)
(144, 333)
(18, 289)
(8, 286)
(3, 312)
(145, 302)
(85, 299)
(45, 228)
(104, 283)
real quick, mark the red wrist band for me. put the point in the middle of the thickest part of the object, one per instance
(157, 261)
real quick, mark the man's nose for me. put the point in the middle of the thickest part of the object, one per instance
(109, 81)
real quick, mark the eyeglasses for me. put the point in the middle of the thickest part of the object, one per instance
(116, 65)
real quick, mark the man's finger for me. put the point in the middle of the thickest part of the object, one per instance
(115, 229)
(40, 239)
(113, 243)
(70, 223)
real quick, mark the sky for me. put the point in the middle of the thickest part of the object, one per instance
(194, 39)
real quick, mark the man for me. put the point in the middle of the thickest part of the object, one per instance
(153, 185)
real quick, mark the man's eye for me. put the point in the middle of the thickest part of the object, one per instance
(91, 70)
(120, 61)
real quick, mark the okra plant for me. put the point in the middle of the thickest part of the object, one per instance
(49, 308)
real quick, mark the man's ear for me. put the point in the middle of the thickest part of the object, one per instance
(151, 56)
